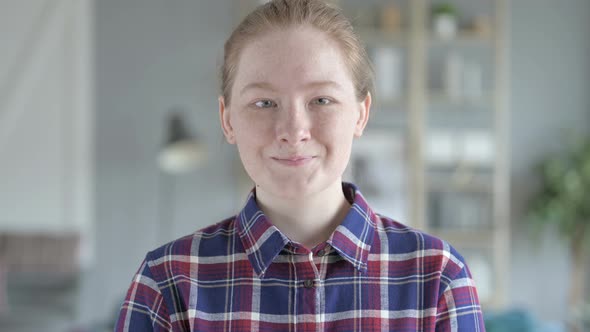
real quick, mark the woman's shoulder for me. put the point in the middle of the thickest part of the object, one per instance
(189, 247)
(405, 239)
(405, 245)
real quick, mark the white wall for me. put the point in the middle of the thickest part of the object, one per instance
(46, 149)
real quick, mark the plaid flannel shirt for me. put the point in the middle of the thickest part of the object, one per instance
(243, 274)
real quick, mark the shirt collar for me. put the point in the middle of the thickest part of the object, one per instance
(352, 239)
(262, 241)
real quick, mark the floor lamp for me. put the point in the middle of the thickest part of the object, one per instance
(180, 154)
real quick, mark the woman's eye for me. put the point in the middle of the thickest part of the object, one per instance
(322, 101)
(264, 104)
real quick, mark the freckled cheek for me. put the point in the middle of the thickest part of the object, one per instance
(338, 146)
(251, 156)
(252, 142)
(340, 139)
(253, 128)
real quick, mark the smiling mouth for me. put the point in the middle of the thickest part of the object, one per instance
(294, 161)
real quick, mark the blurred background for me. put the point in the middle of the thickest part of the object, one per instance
(110, 146)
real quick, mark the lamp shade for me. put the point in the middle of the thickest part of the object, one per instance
(181, 152)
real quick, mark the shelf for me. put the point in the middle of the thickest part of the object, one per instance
(452, 210)
(439, 97)
(479, 169)
(466, 238)
(389, 104)
(377, 37)
(460, 185)
(388, 119)
(463, 38)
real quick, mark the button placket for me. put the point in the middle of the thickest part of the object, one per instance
(324, 251)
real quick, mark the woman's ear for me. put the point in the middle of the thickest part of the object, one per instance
(224, 118)
(364, 110)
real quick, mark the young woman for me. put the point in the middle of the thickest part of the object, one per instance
(306, 253)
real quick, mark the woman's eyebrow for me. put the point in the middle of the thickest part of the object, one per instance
(257, 85)
(328, 83)
(268, 86)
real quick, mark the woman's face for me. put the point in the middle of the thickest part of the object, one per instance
(293, 112)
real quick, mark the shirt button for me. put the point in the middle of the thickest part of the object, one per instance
(322, 253)
(308, 283)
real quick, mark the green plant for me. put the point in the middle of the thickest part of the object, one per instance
(564, 201)
(444, 8)
(564, 196)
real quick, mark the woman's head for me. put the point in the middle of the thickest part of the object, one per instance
(293, 103)
(284, 14)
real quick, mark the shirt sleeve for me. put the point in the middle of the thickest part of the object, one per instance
(458, 304)
(144, 308)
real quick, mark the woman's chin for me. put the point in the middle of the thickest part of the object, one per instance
(294, 189)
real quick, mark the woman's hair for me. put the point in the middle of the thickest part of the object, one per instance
(282, 14)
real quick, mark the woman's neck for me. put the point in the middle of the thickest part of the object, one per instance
(307, 220)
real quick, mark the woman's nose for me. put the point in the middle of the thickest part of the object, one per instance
(293, 125)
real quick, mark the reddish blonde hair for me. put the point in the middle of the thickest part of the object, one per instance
(283, 14)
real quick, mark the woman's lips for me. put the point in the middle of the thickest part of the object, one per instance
(294, 160)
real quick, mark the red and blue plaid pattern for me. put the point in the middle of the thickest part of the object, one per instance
(243, 274)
